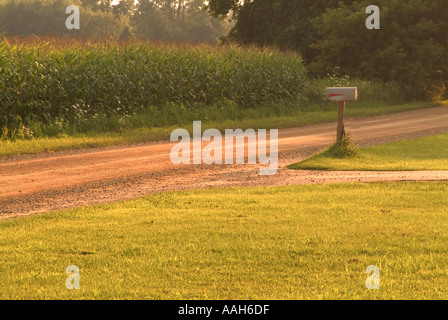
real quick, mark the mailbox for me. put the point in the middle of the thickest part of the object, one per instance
(342, 94)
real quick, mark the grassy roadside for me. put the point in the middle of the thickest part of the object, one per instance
(428, 153)
(300, 242)
(107, 132)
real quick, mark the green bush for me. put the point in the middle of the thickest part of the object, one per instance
(368, 91)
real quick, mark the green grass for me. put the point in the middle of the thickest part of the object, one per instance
(428, 153)
(102, 132)
(300, 242)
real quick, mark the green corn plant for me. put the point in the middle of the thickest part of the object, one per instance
(47, 79)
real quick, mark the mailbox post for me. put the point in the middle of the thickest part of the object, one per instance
(341, 95)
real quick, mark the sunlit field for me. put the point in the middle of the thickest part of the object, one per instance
(428, 153)
(300, 242)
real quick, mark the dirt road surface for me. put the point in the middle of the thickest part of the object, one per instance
(41, 183)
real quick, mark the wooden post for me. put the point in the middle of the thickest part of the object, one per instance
(341, 111)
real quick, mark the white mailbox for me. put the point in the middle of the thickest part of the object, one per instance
(342, 94)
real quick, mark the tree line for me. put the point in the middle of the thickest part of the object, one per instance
(410, 50)
(156, 20)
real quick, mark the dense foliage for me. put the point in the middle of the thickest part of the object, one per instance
(284, 24)
(409, 50)
(24, 18)
(171, 20)
(78, 81)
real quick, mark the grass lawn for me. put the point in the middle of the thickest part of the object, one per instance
(300, 242)
(98, 136)
(428, 153)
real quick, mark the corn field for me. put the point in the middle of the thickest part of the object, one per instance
(47, 79)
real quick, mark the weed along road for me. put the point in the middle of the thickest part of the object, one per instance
(41, 183)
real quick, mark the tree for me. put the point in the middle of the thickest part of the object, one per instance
(175, 20)
(285, 24)
(124, 7)
(97, 5)
(19, 18)
(147, 22)
(410, 49)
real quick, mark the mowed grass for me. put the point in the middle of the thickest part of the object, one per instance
(300, 242)
(138, 130)
(428, 153)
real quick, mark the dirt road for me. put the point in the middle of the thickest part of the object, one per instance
(42, 183)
